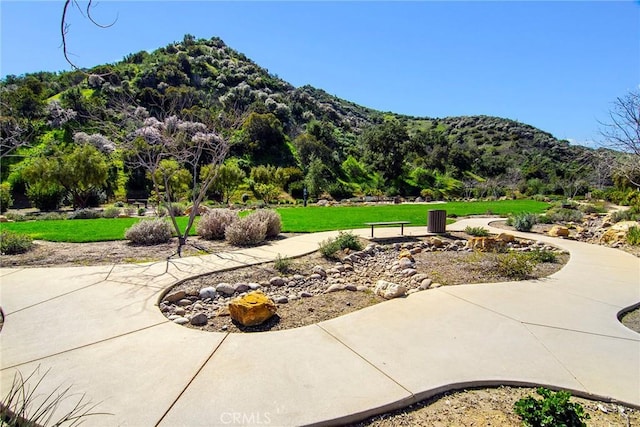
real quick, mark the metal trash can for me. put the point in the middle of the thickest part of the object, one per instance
(436, 221)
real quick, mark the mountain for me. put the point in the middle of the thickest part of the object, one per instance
(356, 150)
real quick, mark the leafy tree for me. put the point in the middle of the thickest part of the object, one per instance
(384, 148)
(318, 177)
(263, 138)
(228, 179)
(81, 171)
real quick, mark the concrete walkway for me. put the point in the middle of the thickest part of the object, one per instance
(98, 330)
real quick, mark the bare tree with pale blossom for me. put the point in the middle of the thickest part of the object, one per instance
(192, 145)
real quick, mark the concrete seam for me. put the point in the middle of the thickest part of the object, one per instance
(55, 297)
(191, 380)
(479, 305)
(82, 346)
(582, 332)
(552, 354)
(367, 361)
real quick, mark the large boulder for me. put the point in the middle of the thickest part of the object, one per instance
(618, 232)
(252, 309)
(485, 244)
(202, 209)
(559, 231)
(389, 290)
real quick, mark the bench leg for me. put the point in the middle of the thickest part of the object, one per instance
(372, 231)
(402, 229)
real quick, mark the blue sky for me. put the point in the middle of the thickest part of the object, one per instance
(555, 65)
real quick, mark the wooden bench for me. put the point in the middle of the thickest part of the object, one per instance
(402, 223)
(138, 202)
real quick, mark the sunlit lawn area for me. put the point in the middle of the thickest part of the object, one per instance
(294, 219)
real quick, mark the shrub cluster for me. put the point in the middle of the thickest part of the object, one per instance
(111, 212)
(524, 221)
(345, 240)
(633, 236)
(213, 224)
(247, 231)
(516, 265)
(12, 243)
(282, 264)
(272, 219)
(85, 214)
(149, 232)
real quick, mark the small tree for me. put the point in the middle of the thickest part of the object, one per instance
(622, 133)
(228, 179)
(189, 146)
(80, 171)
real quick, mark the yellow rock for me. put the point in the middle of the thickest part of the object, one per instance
(618, 232)
(405, 254)
(252, 309)
(202, 209)
(506, 237)
(485, 244)
(436, 242)
(559, 231)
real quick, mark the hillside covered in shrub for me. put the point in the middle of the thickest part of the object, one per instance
(282, 139)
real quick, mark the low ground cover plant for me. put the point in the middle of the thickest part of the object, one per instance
(476, 231)
(12, 243)
(282, 264)
(554, 409)
(523, 221)
(149, 232)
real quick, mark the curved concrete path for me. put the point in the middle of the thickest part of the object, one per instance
(98, 330)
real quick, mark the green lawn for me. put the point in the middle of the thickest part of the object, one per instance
(294, 219)
(314, 218)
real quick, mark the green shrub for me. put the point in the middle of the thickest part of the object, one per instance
(625, 215)
(515, 265)
(51, 216)
(119, 204)
(142, 211)
(111, 212)
(564, 215)
(633, 236)
(592, 208)
(329, 247)
(271, 218)
(84, 214)
(524, 221)
(282, 264)
(476, 231)
(543, 255)
(12, 243)
(5, 197)
(554, 409)
(16, 217)
(247, 231)
(149, 232)
(213, 224)
(348, 240)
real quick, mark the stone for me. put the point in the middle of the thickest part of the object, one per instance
(335, 287)
(181, 321)
(225, 288)
(241, 287)
(351, 287)
(208, 292)
(405, 253)
(281, 299)
(559, 231)
(202, 209)
(175, 296)
(276, 281)
(199, 319)
(506, 237)
(305, 294)
(405, 263)
(485, 244)
(618, 232)
(389, 290)
(438, 243)
(254, 286)
(319, 270)
(3, 218)
(425, 284)
(419, 277)
(184, 302)
(408, 272)
(252, 309)
(180, 311)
